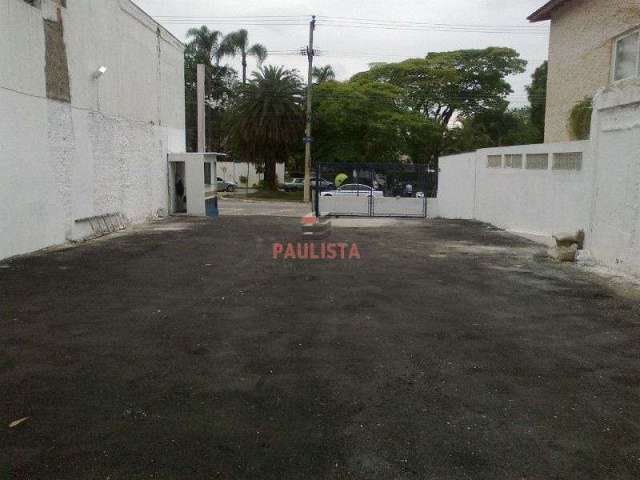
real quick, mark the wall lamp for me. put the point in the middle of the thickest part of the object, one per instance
(100, 72)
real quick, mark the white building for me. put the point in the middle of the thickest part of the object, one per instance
(91, 102)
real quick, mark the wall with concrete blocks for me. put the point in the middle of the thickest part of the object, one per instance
(541, 190)
(536, 190)
(102, 152)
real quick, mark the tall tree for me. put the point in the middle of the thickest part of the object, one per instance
(447, 84)
(219, 86)
(265, 122)
(204, 44)
(492, 128)
(537, 93)
(323, 74)
(237, 43)
(366, 122)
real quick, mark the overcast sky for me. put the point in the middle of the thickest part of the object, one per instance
(349, 50)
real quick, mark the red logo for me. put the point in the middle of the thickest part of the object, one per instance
(315, 251)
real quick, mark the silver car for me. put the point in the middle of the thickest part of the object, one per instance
(353, 190)
(226, 185)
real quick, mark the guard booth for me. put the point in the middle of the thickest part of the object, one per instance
(192, 184)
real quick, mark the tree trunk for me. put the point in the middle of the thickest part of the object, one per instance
(270, 177)
(244, 68)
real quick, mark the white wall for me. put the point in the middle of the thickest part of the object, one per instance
(614, 236)
(457, 186)
(234, 170)
(603, 198)
(105, 152)
(535, 202)
(538, 203)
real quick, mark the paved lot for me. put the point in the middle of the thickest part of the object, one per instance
(232, 206)
(448, 351)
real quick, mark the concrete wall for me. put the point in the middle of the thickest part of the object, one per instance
(602, 198)
(457, 186)
(614, 236)
(234, 170)
(580, 53)
(536, 202)
(105, 151)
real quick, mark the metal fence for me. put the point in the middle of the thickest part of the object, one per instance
(373, 190)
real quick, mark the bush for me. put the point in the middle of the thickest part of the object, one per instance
(580, 120)
(243, 180)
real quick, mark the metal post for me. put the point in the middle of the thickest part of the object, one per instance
(317, 205)
(307, 140)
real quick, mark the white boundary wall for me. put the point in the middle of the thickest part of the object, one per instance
(106, 151)
(234, 170)
(614, 234)
(602, 197)
(536, 202)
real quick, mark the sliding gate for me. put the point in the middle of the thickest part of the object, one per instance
(373, 190)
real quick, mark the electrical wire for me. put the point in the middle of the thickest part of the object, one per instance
(353, 22)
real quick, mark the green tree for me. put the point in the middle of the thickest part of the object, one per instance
(220, 86)
(492, 128)
(447, 84)
(237, 43)
(364, 121)
(537, 93)
(204, 44)
(323, 74)
(266, 120)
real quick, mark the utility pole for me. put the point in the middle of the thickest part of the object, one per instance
(308, 139)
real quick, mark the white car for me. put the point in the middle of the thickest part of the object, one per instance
(353, 190)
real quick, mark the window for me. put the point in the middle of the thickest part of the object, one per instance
(513, 161)
(537, 161)
(494, 161)
(567, 161)
(625, 61)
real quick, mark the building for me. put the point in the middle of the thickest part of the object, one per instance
(593, 44)
(91, 102)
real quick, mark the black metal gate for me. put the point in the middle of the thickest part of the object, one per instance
(372, 190)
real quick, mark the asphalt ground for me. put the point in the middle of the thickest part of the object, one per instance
(447, 350)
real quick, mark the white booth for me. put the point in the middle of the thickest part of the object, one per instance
(189, 192)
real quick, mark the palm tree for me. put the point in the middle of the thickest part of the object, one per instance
(238, 43)
(323, 74)
(267, 119)
(205, 43)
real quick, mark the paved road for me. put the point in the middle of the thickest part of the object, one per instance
(447, 351)
(238, 207)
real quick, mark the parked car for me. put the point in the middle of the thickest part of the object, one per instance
(226, 185)
(323, 184)
(353, 190)
(294, 185)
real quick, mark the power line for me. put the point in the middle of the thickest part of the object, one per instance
(355, 22)
(413, 22)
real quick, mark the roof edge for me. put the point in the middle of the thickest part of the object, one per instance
(544, 12)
